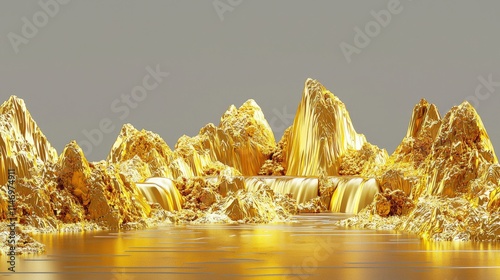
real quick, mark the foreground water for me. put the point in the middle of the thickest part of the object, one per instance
(310, 248)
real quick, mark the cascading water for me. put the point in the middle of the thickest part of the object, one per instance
(302, 189)
(350, 196)
(353, 194)
(162, 191)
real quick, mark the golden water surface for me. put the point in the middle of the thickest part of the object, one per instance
(309, 248)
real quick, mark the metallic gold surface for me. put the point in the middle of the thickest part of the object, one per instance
(321, 135)
(442, 182)
(22, 143)
(353, 194)
(242, 134)
(162, 191)
(302, 189)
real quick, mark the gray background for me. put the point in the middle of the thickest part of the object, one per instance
(92, 52)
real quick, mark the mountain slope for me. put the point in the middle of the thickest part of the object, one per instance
(23, 146)
(322, 137)
(443, 180)
(242, 134)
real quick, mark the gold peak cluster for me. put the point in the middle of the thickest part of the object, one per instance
(441, 182)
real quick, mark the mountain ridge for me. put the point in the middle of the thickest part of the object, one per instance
(442, 161)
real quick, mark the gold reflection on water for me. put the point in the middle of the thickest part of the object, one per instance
(312, 247)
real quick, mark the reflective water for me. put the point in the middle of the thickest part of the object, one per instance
(311, 248)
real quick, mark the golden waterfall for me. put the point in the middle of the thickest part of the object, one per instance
(353, 194)
(162, 191)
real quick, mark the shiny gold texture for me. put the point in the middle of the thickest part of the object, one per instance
(442, 181)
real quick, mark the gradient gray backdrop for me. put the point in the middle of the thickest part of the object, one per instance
(92, 52)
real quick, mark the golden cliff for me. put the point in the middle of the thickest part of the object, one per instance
(22, 144)
(442, 180)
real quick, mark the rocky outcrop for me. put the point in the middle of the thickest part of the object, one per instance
(224, 199)
(390, 203)
(23, 146)
(242, 134)
(275, 165)
(149, 147)
(447, 168)
(461, 153)
(99, 189)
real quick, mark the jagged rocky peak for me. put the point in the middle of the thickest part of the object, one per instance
(23, 146)
(23, 128)
(243, 133)
(100, 189)
(425, 120)
(149, 147)
(463, 126)
(73, 172)
(321, 134)
(449, 152)
(248, 122)
(132, 142)
(461, 153)
(423, 128)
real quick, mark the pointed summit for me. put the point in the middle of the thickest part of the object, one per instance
(12, 103)
(449, 153)
(321, 134)
(425, 117)
(463, 124)
(149, 147)
(22, 143)
(422, 131)
(461, 150)
(249, 119)
(243, 140)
